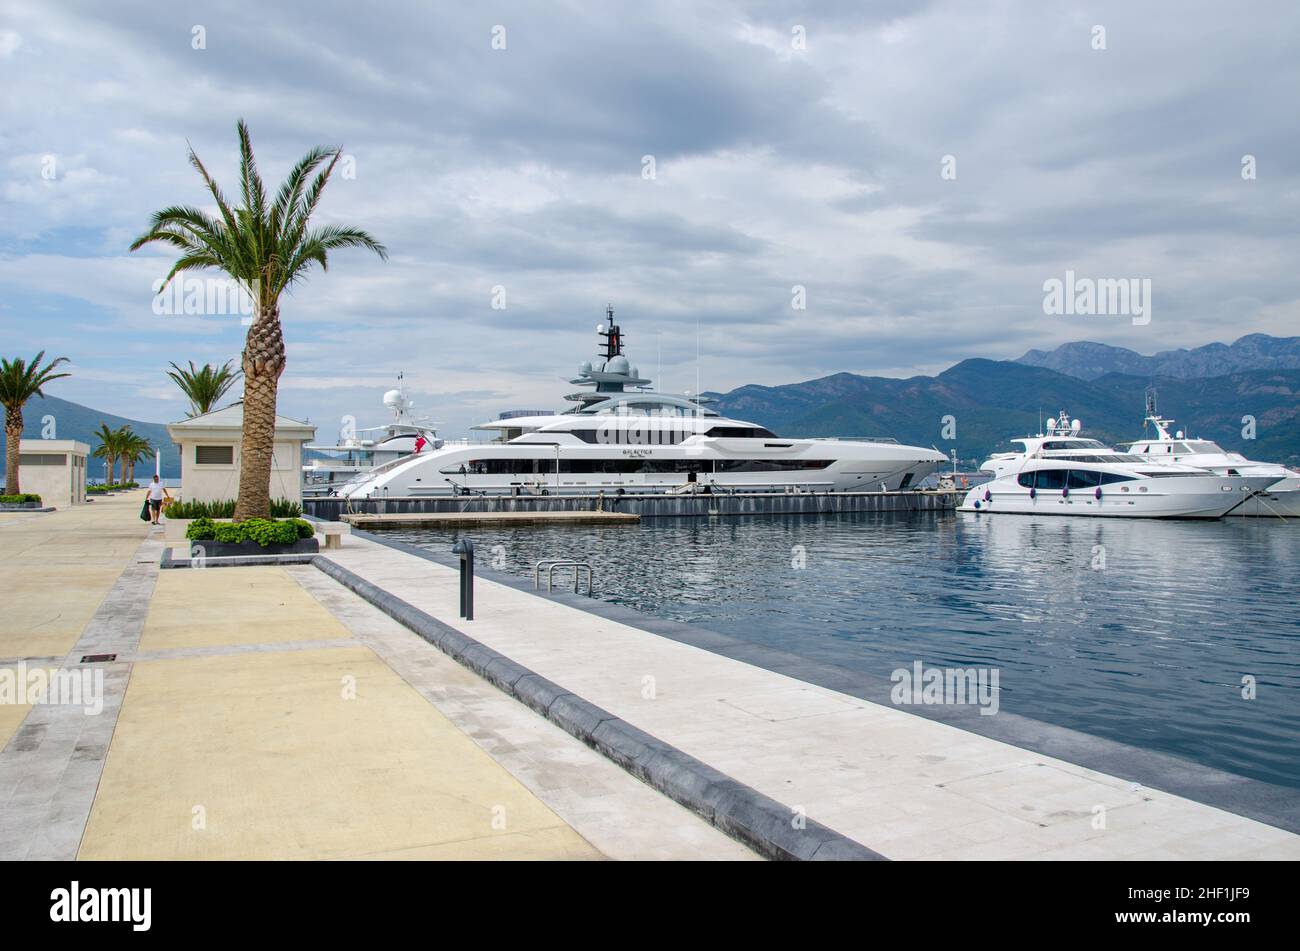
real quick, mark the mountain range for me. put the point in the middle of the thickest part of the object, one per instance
(991, 401)
(74, 421)
(1088, 361)
(1208, 390)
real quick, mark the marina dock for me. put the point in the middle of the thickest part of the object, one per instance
(463, 519)
(342, 709)
(649, 505)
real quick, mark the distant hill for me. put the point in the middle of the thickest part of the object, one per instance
(1088, 361)
(993, 401)
(74, 421)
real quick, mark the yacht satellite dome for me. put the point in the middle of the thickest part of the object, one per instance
(585, 367)
(1179, 434)
(618, 365)
(1075, 426)
(600, 328)
(393, 399)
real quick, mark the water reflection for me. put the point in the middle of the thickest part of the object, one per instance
(1138, 631)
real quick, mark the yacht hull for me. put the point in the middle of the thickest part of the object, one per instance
(831, 466)
(1271, 505)
(1164, 498)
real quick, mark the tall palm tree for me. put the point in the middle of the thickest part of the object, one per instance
(204, 386)
(109, 449)
(266, 247)
(135, 449)
(19, 382)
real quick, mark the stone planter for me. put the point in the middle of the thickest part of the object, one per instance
(215, 549)
(19, 506)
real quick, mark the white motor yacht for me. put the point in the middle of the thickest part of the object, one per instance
(1060, 472)
(357, 453)
(1282, 497)
(623, 436)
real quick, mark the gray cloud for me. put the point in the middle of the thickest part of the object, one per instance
(774, 167)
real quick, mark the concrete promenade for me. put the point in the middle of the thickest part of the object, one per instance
(900, 784)
(267, 712)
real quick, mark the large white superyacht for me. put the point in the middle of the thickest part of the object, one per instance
(623, 436)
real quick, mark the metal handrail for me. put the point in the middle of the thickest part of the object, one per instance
(552, 563)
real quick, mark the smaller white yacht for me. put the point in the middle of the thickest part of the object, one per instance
(1060, 472)
(1282, 499)
(357, 453)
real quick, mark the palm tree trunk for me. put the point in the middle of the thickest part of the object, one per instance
(13, 433)
(263, 362)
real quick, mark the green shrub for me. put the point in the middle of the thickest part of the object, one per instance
(264, 531)
(229, 532)
(19, 499)
(280, 508)
(201, 529)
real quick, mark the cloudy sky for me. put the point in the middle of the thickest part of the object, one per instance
(690, 162)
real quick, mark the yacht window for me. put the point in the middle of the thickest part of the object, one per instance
(741, 432)
(1075, 444)
(1026, 479)
(1083, 479)
(770, 465)
(1109, 478)
(1049, 478)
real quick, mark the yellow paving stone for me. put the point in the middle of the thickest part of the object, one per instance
(58, 567)
(227, 606)
(11, 718)
(282, 766)
(12, 715)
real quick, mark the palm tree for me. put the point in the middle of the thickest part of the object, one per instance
(109, 448)
(135, 449)
(204, 386)
(19, 382)
(266, 247)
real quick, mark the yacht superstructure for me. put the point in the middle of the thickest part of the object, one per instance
(1059, 472)
(623, 436)
(354, 454)
(1282, 498)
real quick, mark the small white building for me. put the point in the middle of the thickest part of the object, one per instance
(209, 446)
(54, 469)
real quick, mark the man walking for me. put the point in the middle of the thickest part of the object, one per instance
(157, 493)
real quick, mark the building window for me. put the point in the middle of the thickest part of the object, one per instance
(214, 455)
(41, 459)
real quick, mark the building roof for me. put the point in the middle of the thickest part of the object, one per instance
(231, 418)
(52, 445)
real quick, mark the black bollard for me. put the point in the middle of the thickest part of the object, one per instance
(465, 549)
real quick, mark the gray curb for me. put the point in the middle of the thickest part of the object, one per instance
(743, 813)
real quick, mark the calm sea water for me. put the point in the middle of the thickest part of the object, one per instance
(1149, 650)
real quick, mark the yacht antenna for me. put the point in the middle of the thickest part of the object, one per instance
(697, 365)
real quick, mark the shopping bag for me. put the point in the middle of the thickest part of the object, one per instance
(144, 511)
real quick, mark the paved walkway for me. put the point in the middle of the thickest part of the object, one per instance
(269, 713)
(903, 785)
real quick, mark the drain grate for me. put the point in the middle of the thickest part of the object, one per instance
(98, 658)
